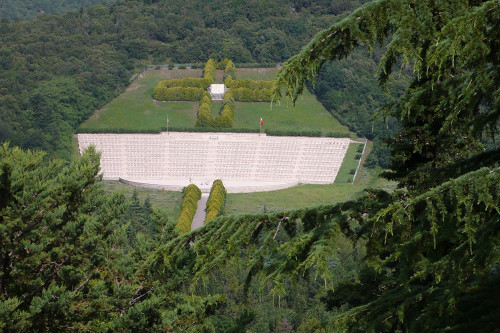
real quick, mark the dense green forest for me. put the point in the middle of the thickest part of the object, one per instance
(425, 258)
(349, 89)
(57, 69)
(29, 9)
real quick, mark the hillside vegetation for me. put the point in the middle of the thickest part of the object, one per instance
(29, 9)
(422, 258)
(56, 70)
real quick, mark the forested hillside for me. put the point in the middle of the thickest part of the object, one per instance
(424, 258)
(57, 69)
(28, 9)
(350, 91)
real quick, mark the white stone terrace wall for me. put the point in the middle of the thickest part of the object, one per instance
(239, 159)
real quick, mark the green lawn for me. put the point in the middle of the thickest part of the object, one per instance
(297, 197)
(135, 108)
(215, 107)
(349, 163)
(302, 196)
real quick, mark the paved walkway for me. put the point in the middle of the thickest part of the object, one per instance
(199, 217)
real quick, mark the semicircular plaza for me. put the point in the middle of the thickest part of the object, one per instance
(244, 162)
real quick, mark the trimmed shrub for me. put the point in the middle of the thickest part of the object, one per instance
(228, 99)
(249, 84)
(206, 100)
(223, 63)
(250, 95)
(293, 133)
(226, 116)
(216, 200)
(161, 93)
(185, 82)
(205, 118)
(188, 208)
(229, 70)
(210, 70)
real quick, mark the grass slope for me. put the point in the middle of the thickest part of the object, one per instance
(297, 197)
(136, 109)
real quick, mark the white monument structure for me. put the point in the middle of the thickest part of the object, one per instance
(244, 162)
(217, 91)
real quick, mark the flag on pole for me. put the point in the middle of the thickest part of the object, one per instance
(261, 122)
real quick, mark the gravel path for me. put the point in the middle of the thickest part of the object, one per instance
(199, 217)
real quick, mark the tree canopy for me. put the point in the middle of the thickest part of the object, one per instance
(434, 247)
(428, 254)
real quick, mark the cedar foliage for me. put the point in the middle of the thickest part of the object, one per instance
(434, 245)
(69, 262)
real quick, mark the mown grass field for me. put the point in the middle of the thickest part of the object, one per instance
(349, 163)
(135, 108)
(297, 197)
(303, 196)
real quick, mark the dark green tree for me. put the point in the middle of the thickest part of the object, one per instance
(434, 247)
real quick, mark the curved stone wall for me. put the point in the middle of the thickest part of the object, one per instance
(239, 159)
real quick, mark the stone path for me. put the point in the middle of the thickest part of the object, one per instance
(199, 217)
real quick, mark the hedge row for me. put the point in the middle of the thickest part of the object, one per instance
(161, 93)
(229, 71)
(216, 200)
(230, 82)
(250, 95)
(210, 70)
(225, 119)
(188, 208)
(186, 82)
(204, 118)
(186, 89)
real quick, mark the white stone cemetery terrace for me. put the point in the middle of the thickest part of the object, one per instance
(217, 91)
(244, 162)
